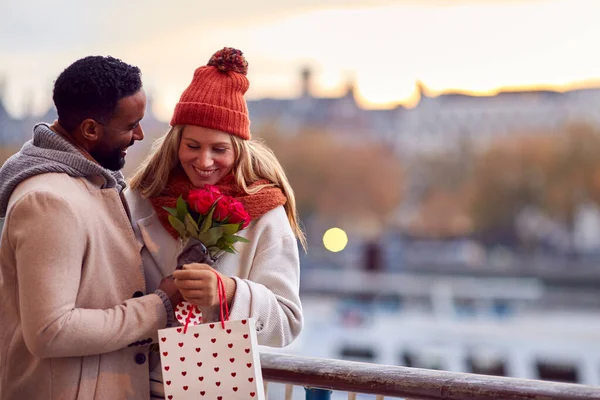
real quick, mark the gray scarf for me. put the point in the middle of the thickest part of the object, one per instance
(48, 152)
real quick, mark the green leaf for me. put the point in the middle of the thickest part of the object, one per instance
(216, 233)
(182, 209)
(208, 220)
(178, 226)
(211, 237)
(190, 226)
(172, 211)
(226, 241)
(204, 237)
(213, 249)
(237, 238)
(230, 229)
(229, 250)
(189, 218)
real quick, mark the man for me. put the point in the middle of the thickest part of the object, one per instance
(75, 321)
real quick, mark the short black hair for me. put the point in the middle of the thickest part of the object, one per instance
(91, 88)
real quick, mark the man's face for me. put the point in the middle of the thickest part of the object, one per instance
(120, 132)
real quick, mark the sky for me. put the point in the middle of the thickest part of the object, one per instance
(383, 46)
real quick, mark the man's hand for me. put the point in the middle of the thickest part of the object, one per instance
(198, 284)
(167, 285)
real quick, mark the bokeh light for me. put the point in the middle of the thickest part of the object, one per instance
(335, 239)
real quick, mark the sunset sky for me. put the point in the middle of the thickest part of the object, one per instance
(385, 45)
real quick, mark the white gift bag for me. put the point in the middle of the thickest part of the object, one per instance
(216, 361)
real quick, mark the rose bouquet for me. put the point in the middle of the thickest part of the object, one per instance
(207, 223)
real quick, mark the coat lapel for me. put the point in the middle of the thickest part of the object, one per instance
(160, 245)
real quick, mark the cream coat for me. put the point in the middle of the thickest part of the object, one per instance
(69, 267)
(266, 270)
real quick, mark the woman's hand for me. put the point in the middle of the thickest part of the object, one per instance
(198, 285)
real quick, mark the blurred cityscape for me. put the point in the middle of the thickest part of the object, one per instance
(473, 225)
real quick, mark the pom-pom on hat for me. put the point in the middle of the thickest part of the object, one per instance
(215, 97)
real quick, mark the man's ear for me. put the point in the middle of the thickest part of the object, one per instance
(90, 130)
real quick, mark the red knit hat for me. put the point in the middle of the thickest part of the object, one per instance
(215, 98)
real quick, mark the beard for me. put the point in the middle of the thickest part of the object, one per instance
(109, 157)
(111, 161)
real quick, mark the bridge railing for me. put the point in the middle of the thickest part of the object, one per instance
(320, 376)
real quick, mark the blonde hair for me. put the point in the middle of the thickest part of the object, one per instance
(254, 161)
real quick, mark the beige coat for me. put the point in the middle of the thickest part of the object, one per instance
(69, 268)
(266, 270)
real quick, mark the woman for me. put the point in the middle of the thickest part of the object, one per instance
(209, 144)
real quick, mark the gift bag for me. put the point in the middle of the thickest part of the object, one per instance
(217, 361)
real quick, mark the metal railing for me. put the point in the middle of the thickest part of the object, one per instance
(320, 376)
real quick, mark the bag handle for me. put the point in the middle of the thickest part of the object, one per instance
(223, 307)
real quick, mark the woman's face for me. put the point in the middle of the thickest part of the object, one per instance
(206, 155)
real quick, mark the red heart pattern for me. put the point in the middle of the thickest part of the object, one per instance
(178, 382)
(185, 309)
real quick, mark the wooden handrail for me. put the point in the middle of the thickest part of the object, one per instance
(413, 383)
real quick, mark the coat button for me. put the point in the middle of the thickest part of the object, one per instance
(140, 358)
(138, 294)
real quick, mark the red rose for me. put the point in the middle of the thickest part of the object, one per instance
(222, 208)
(201, 200)
(237, 214)
(212, 189)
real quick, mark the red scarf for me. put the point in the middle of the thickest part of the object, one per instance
(256, 204)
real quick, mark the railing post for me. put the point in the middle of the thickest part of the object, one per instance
(317, 394)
